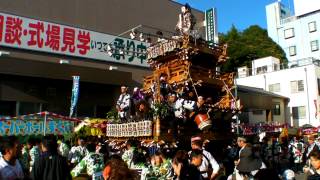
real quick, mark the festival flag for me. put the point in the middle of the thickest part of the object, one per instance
(75, 94)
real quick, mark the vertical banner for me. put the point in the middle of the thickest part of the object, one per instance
(75, 94)
(211, 26)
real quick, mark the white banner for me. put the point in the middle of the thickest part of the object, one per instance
(25, 33)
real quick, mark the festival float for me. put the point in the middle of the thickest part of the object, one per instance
(186, 93)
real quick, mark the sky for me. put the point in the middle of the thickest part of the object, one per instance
(241, 13)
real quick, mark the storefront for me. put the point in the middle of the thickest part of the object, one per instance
(41, 48)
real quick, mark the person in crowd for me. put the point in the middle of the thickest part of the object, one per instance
(297, 148)
(104, 150)
(34, 151)
(209, 167)
(313, 171)
(78, 152)
(24, 159)
(50, 165)
(128, 153)
(160, 167)
(123, 104)
(312, 146)
(10, 168)
(248, 164)
(117, 169)
(140, 162)
(93, 163)
(181, 167)
(63, 148)
(264, 150)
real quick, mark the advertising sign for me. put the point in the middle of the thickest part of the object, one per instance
(30, 34)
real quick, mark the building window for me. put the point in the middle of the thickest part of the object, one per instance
(262, 69)
(274, 87)
(299, 112)
(292, 50)
(257, 112)
(312, 26)
(314, 45)
(297, 86)
(288, 33)
(276, 109)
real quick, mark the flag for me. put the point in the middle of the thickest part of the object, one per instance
(75, 94)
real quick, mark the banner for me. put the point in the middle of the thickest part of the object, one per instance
(34, 127)
(75, 94)
(30, 34)
(211, 26)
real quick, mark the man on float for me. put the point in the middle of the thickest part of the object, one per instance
(123, 105)
(186, 21)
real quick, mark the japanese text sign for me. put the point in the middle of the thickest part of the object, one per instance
(31, 34)
(33, 127)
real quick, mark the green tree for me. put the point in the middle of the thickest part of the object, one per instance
(252, 43)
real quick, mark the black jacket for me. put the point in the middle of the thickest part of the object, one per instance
(51, 167)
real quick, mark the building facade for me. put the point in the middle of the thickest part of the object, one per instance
(299, 83)
(44, 43)
(261, 106)
(297, 34)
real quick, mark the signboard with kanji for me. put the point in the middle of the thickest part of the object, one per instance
(33, 127)
(211, 26)
(36, 35)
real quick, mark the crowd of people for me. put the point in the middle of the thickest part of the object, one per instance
(101, 159)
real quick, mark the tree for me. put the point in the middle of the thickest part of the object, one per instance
(252, 43)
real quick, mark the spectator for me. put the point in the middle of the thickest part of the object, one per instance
(117, 169)
(209, 167)
(50, 165)
(314, 171)
(78, 152)
(93, 163)
(181, 167)
(10, 168)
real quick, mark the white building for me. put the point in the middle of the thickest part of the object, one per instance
(299, 83)
(298, 34)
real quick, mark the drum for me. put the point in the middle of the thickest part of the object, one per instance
(203, 121)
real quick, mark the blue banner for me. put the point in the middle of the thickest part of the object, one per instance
(75, 94)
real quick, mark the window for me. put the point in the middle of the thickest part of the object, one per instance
(288, 33)
(276, 109)
(314, 45)
(312, 26)
(257, 112)
(292, 51)
(274, 87)
(262, 69)
(299, 112)
(297, 86)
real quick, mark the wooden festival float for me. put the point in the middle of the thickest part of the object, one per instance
(186, 92)
(188, 68)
